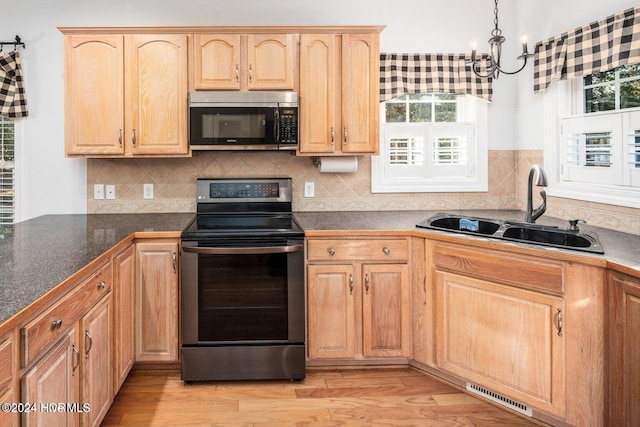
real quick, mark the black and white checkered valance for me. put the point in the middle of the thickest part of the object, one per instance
(599, 46)
(413, 73)
(12, 96)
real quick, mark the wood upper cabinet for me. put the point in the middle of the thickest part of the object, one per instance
(245, 61)
(339, 93)
(157, 301)
(624, 350)
(358, 299)
(125, 95)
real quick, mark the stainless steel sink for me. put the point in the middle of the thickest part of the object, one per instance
(515, 231)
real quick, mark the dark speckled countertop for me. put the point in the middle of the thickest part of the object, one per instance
(38, 254)
(42, 252)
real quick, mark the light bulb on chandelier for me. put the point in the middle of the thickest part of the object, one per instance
(495, 52)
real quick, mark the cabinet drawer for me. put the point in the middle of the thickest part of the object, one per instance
(520, 270)
(351, 250)
(6, 364)
(43, 331)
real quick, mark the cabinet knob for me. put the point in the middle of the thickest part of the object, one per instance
(386, 250)
(331, 251)
(101, 285)
(56, 324)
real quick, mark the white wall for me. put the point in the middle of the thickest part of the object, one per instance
(49, 183)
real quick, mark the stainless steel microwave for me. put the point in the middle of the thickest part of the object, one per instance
(243, 120)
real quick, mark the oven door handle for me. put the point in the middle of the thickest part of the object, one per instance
(246, 250)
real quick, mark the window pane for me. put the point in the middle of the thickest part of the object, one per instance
(635, 150)
(630, 94)
(607, 76)
(446, 96)
(446, 112)
(419, 112)
(629, 71)
(601, 98)
(449, 151)
(6, 172)
(395, 112)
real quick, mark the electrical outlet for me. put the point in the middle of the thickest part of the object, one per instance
(309, 189)
(111, 191)
(147, 191)
(98, 191)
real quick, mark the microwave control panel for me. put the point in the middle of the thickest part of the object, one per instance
(289, 125)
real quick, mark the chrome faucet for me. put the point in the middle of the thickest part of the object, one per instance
(541, 181)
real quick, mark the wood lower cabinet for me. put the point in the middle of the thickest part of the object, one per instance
(124, 290)
(624, 350)
(506, 339)
(358, 309)
(96, 328)
(156, 311)
(54, 379)
(243, 62)
(339, 85)
(8, 390)
(125, 94)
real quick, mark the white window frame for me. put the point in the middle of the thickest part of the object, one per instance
(11, 165)
(560, 103)
(472, 125)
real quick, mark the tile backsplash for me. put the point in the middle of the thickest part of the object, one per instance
(174, 186)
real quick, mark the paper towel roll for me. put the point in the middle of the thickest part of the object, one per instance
(348, 164)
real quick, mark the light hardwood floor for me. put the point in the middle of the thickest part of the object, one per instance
(326, 398)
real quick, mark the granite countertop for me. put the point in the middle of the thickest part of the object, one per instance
(38, 254)
(41, 253)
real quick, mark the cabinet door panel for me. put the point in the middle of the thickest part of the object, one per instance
(217, 61)
(124, 302)
(94, 94)
(386, 313)
(156, 302)
(271, 61)
(360, 97)
(503, 338)
(97, 372)
(156, 93)
(319, 82)
(331, 314)
(53, 379)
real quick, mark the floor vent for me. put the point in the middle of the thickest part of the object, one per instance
(498, 398)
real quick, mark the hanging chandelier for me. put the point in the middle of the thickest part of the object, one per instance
(495, 49)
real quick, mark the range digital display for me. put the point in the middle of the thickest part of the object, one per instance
(235, 190)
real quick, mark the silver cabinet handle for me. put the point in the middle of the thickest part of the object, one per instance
(88, 336)
(77, 353)
(351, 284)
(386, 250)
(559, 322)
(331, 251)
(345, 136)
(250, 74)
(101, 285)
(133, 137)
(56, 324)
(366, 283)
(333, 135)
(237, 74)
(120, 137)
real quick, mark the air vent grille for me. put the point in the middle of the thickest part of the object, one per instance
(498, 398)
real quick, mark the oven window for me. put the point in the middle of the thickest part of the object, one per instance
(242, 297)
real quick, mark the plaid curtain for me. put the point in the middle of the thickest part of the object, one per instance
(593, 48)
(408, 74)
(12, 96)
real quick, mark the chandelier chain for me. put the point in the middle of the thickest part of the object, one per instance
(496, 31)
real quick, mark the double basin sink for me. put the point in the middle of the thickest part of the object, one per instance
(522, 232)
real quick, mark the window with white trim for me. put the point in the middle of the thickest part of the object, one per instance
(431, 142)
(599, 150)
(7, 210)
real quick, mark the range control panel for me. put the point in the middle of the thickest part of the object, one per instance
(229, 190)
(233, 190)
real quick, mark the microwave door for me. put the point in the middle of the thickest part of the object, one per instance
(233, 127)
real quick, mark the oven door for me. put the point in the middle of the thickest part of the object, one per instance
(233, 127)
(242, 292)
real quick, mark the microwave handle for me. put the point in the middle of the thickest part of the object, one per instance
(276, 123)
